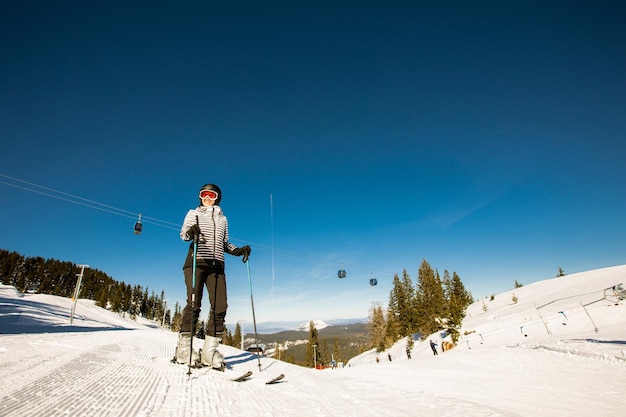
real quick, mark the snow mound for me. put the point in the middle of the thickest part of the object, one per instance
(305, 327)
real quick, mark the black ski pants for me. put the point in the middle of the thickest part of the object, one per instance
(215, 283)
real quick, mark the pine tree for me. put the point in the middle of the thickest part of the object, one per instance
(237, 336)
(378, 328)
(144, 305)
(395, 307)
(127, 297)
(402, 320)
(336, 350)
(390, 333)
(167, 323)
(312, 350)
(103, 298)
(201, 329)
(458, 301)
(430, 303)
(177, 318)
(410, 317)
(116, 298)
(227, 337)
(134, 307)
(410, 343)
(160, 308)
(324, 356)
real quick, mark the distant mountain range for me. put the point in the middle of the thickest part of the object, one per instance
(351, 337)
(270, 327)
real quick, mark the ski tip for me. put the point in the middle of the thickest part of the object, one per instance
(275, 380)
(242, 377)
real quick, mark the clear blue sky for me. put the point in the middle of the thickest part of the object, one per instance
(488, 138)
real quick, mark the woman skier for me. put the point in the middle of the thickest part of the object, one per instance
(209, 226)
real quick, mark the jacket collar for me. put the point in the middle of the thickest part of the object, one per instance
(210, 209)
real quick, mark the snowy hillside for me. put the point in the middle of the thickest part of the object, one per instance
(552, 348)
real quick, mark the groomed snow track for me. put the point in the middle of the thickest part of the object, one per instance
(127, 373)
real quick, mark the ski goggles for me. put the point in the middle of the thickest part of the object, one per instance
(210, 194)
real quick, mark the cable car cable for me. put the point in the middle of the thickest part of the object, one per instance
(85, 202)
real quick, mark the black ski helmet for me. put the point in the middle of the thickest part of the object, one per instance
(214, 188)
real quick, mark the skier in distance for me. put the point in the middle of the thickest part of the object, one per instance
(433, 346)
(209, 223)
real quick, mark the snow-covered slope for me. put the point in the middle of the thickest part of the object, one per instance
(305, 327)
(560, 350)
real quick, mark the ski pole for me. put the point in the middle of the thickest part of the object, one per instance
(193, 297)
(256, 336)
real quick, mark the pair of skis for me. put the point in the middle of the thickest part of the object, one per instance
(246, 376)
(241, 378)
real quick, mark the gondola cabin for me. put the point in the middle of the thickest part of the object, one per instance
(342, 272)
(138, 226)
(373, 282)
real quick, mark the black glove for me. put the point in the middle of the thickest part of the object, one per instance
(245, 251)
(194, 232)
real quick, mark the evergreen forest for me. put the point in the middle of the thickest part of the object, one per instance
(51, 276)
(432, 304)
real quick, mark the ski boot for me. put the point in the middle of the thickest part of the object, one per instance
(210, 355)
(183, 350)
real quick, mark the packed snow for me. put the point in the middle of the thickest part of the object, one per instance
(551, 348)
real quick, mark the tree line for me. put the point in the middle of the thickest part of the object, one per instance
(54, 277)
(431, 304)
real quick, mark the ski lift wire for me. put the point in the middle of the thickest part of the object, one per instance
(85, 202)
(81, 201)
(65, 194)
(131, 215)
